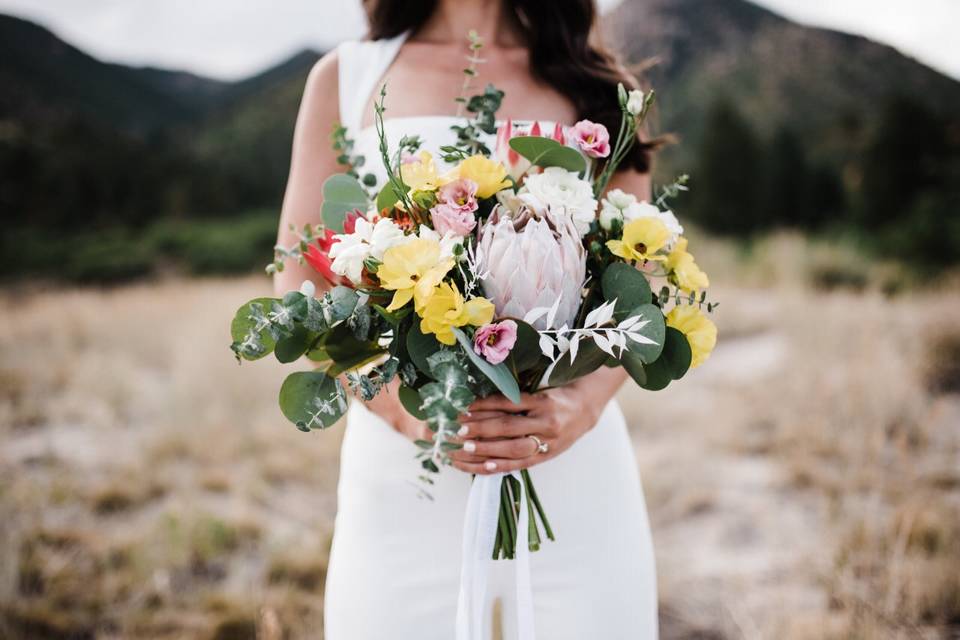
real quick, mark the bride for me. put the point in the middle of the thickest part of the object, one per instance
(395, 561)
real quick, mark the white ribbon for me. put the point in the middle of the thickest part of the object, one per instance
(479, 531)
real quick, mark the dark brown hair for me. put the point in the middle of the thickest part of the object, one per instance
(564, 53)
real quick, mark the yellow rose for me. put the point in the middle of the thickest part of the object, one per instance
(700, 331)
(412, 270)
(642, 238)
(420, 174)
(446, 309)
(683, 270)
(489, 175)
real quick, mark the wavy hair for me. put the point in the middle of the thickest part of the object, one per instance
(565, 53)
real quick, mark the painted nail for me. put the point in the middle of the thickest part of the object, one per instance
(469, 446)
(490, 465)
(463, 431)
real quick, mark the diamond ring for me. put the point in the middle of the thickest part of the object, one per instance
(542, 447)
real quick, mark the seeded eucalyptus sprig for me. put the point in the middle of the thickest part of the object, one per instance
(482, 106)
(343, 145)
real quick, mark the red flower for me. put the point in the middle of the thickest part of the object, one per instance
(318, 253)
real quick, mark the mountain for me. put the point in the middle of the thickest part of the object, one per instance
(44, 79)
(825, 86)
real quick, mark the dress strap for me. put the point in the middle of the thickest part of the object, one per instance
(361, 66)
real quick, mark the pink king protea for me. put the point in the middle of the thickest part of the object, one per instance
(531, 258)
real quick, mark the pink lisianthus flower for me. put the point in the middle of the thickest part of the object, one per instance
(495, 340)
(592, 138)
(455, 210)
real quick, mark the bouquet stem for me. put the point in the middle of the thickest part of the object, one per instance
(505, 543)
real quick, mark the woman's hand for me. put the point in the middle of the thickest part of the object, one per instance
(496, 434)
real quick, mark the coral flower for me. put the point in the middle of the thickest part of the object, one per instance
(413, 270)
(446, 309)
(700, 331)
(642, 238)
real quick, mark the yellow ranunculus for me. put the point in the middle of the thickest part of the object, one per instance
(683, 270)
(420, 174)
(642, 238)
(700, 331)
(446, 309)
(413, 270)
(489, 175)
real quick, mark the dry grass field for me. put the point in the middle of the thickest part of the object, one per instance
(804, 484)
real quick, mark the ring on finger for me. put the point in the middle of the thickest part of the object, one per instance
(542, 447)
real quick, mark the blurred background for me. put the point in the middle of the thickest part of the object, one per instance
(804, 483)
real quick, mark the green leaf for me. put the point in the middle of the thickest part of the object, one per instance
(627, 285)
(248, 343)
(444, 400)
(547, 152)
(411, 401)
(526, 353)
(677, 355)
(671, 365)
(346, 351)
(654, 329)
(341, 194)
(421, 346)
(499, 374)
(291, 347)
(387, 197)
(312, 400)
(589, 358)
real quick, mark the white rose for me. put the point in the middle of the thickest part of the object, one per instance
(646, 210)
(635, 102)
(620, 199)
(563, 190)
(609, 213)
(367, 240)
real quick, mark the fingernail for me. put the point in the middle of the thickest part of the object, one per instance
(490, 466)
(469, 446)
(463, 431)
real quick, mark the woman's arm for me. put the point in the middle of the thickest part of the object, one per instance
(497, 441)
(313, 161)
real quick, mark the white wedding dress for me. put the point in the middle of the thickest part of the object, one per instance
(396, 557)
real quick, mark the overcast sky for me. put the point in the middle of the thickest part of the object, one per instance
(231, 39)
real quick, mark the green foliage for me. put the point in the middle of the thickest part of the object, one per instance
(626, 285)
(498, 374)
(444, 400)
(655, 329)
(589, 359)
(547, 152)
(411, 401)
(253, 336)
(420, 346)
(341, 194)
(312, 400)
(526, 353)
(671, 365)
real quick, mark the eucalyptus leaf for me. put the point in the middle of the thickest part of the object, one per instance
(411, 401)
(252, 339)
(291, 347)
(677, 355)
(499, 374)
(654, 329)
(547, 152)
(388, 197)
(589, 358)
(341, 194)
(312, 400)
(346, 351)
(625, 284)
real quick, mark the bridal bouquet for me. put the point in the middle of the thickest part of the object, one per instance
(514, 270)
